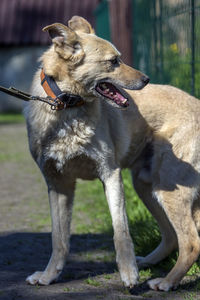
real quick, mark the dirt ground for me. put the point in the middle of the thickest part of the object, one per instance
(25, 241)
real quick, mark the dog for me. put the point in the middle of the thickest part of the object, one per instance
(115, 120)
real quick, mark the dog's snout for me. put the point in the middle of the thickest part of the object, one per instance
(145, 79)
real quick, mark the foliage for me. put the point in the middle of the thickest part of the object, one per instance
(11, 118)
(162, 45)
(177, 69)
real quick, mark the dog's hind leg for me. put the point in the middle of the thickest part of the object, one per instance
(123, 244)
(61, 210)
(196, 213)
(177, 205)
(169, 240)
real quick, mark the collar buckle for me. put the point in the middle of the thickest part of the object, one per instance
(62, 100)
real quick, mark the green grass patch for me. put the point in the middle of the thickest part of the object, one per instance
(66, 289)
(92, 282)
(108, 276)
(91, 213)
(190, 296)
(145, 274)
(11, 118)
(194, 269)
(40, 221)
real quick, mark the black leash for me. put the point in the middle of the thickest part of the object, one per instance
(55, 97)
(55, 103)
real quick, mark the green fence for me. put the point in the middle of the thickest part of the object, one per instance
(102, 24)
(166, 41)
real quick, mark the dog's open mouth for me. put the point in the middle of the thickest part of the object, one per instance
(109, 91)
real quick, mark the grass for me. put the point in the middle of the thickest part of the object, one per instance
(11, 118)
(191, 296)
(66, 289)
(11, 146)
(92, 282)
(107, 276)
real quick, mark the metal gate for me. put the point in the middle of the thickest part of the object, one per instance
(166, 41)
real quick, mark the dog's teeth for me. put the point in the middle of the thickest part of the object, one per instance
(111, 93)
(124, 101)
(106, 90)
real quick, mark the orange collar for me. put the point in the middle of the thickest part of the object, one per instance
(64, 100)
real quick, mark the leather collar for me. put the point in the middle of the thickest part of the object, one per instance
(64, 100)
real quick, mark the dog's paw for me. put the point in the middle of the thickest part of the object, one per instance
(129, 275)
(159, 284)
(129, 279)
(126, 262)
(41, 278)
(34, 278)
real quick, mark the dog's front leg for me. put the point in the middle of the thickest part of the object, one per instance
(125, 256)
(61, 210)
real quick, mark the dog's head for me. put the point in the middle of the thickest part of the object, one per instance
(91, 64)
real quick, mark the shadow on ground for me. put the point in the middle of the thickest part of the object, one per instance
(28, 252)
(24, 253)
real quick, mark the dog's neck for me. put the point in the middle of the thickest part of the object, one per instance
(65, 100)
(56, 67)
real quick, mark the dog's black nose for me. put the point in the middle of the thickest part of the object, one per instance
(145, 79)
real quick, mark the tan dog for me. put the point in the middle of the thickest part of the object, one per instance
(156, 136)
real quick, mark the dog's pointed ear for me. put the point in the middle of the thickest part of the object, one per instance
(61, 34)
(79, 24)
(66, 41)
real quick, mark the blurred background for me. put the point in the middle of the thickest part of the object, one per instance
(159, 37)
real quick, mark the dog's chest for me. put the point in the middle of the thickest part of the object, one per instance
(68, 142)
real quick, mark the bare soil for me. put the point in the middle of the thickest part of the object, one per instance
(25, 241)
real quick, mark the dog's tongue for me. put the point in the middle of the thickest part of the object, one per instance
(108, 90)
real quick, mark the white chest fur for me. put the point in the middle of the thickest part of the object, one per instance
(68, 141)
